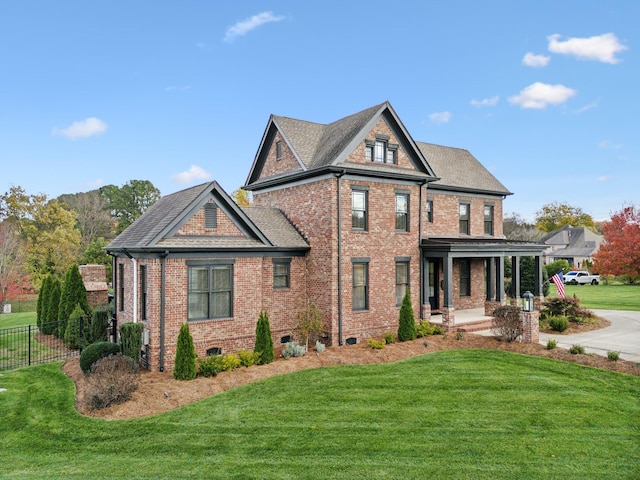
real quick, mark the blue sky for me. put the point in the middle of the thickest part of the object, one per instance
(543, 93)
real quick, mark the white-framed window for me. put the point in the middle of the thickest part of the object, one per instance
(402, 212)
(402, 280)
(488, 219)
(359, 206)
(360, 297)
(464, 217)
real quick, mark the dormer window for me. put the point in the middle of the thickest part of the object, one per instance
(380, 150)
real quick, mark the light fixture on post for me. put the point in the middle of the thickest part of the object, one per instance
(527, 301)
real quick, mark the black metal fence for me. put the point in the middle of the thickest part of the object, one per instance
(29, 345)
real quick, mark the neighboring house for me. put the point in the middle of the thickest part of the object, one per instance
(576, 245)
(347, 216)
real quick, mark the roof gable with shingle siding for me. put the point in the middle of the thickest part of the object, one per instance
(172, 223)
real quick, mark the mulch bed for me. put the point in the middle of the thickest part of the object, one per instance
(159, 392)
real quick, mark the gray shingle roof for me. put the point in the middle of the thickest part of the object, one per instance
(457, 168)
(276, 227)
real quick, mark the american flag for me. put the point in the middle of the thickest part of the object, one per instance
(559, 282)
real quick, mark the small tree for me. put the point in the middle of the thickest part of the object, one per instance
(407, 324)
(264, 340)
(185, 363)
(72, 294)
(310, 324)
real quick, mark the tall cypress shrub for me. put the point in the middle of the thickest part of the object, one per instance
(73, 293)
(185, 364)
(72, 333)
(50, 308)
(264, 341)
(407, 324)
(43, 300)
(131, 339)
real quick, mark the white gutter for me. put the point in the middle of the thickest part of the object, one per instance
(135, 290)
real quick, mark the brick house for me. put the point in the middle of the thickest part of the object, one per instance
(346, 216)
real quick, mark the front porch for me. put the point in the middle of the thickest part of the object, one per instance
(469, 320)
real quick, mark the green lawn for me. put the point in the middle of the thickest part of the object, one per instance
(606, 297)
(451, 414)
(8, 320)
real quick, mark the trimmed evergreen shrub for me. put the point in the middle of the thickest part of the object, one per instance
(95, 352)
(264, 341)
(229, 362)
(96, 331)
(576, 349)
(248, 358)
(389, 338)
(50, 308)
(559, 324)
(319, 346)
(185, 362)
(210, 366)
(131, 339)
(376, 344)
(407, 323)
(73, 332)
(506, 323)
(613, 356)
(551, 344)
(424, 328)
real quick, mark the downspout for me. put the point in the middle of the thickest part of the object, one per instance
(163, 268)
(339, 176)
(135, 286)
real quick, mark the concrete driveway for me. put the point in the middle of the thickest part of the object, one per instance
(623, 335)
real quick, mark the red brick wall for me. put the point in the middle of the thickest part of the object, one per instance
(273, 166)
(381, 128)
(446, 215)
(224, 226)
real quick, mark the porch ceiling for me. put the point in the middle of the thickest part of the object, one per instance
(479, 247)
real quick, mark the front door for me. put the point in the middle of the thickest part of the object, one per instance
(434, 296)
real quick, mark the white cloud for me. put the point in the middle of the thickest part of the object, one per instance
(540, 95)
(587, 107)
(194, 173)
(83, 129)
(245, 26)
(602, 48)
(485, 102)
(533, 60)
(440, 117)
(604, 178)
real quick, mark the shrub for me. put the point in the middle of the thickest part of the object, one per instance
(293, 349)
(551, 344)
(565, 307)
(112, 380)
(319, 346)
(229, 361)
(310, 324)
(459, 335)
(376, 344)
(72, 293)
(407, 322)
(248, 358)
(576, 349)
(50, 308)
(389, 338)
(424, 328)
(96, 330)
(72, 334)
(210, 366)
(131, 339)
(185, 362)
(506, 323)
(559, 324)
(95, 352)
(264, 341)
(43, 300)
(613, 356)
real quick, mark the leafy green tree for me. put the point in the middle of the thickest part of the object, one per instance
(95, 253)
(129, 202)
(515, 227)
(407, 323)
(264, 341)
(553, 216)
(185, 363)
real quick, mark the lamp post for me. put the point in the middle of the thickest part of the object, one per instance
(527, 301)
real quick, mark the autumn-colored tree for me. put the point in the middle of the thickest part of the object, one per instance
(241, 197)
(619, 253)
(93, 218)
(11, 259)
(554, 216)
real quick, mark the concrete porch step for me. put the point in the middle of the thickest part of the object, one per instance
(474, 326)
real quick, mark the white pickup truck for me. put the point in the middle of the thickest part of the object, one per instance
(580, 277)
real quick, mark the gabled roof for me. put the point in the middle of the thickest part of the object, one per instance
(318, 147)
(459, 170)
(154, 230)
(572, 242)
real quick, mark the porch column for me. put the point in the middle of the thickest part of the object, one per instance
(500, 279)
(448, 315)
(492, 302)
(539, 293)
(425, 306)
(515, 279)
